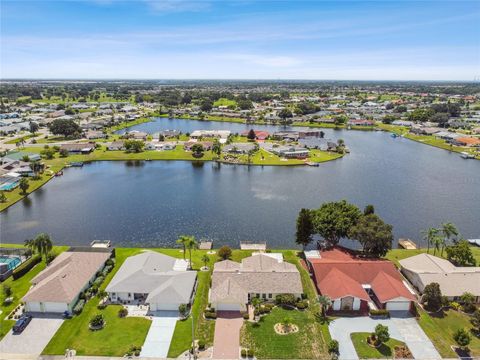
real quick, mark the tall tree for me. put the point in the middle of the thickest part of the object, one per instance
(375, 236)
(251, 135)
(333, 220)
(24, 185)
(461, 254)
(191, 244)
(183, 240)
(304, 233)
(429, 235)
(43, 244)
(216, 147)
(449, 230)
(33, 127)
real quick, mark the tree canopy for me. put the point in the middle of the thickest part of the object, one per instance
(375, 236)
(67, 128)
(305, 229)
(460, 254)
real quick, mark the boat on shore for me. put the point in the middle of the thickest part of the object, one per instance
(312, 163)
(407, 244)
(474, 241)
(76, 164)
(466, 155)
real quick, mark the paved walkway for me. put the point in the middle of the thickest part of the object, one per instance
(160, 334)
(226, 344)
(402, 328)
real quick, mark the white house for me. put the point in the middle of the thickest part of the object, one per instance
(163, 282)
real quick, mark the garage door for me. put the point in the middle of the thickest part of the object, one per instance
(161, 306)
(55, 307)
(398, 305)
(33, 306)
(228, 307)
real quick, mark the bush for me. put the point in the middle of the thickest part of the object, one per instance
(379, 312)
(225, 252)
(302, 304)
(285, 299)
(183, 310)
(98, 281)
(462, 338)
(201, 345)
(79, 307)
(26, 266)
(243, 353)
(250, 353)
(50, 257)
(63, 153)
(333, 347)
(97, 320)
(455, 305)
(7, 290)
(101, 306)
(210, 315)
(381, 333)
(110, 262)
(122, 312)
(245, 316)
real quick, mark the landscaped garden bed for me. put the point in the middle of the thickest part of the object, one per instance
(366, 350)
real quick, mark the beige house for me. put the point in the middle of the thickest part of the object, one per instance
(262, 275)
(56, 289)
(424, 269)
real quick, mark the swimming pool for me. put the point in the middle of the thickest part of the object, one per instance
(8, 186)
(12, 262)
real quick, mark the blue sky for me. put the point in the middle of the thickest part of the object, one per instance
(185, 39)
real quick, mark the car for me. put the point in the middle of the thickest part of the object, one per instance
(21, 324)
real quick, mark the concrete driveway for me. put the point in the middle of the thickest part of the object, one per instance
(33, 339)
(226, 343)
(404, 328)
(160, 334)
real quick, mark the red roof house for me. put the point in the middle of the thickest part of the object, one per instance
(259, 134)
(357, 284)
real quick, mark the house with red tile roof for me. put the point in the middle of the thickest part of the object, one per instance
(359, 284)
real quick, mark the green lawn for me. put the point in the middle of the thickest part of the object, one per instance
(365, 351)
(440, 328)
(225, 102)
(19, 289)
(398, 254)
(309, 342)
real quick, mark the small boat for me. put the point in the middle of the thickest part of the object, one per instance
(474, 241)
(60, 173)
(393, 135)
(407, 244)
(312, 163)
(76, 164)
(466, 155)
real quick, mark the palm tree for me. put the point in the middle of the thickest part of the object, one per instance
(43, 244)
(205, 259)
(448, 230)
(428, 236)
(191, 244)
(182, 240)
(30, 244)
(325, 302)
(216, 147)
(437, 242)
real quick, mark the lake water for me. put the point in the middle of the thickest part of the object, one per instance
(412, 187)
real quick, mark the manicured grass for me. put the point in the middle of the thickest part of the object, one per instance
(365, 351)
(398, 254)
(310, 342)
(19, 289)
(441, 327)
(127, 124)
(20, 139)
(225, 102)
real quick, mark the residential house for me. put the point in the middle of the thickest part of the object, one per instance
(259, 135)
(116, 145)
(160, 281)
(207, 145)
(160, 146)
(57, 288)
(359, 284)
(79, 148)
(466, 141)
(235, 284)
(424, 269)
(239, 148)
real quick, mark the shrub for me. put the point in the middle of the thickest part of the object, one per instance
(26, 266)
(285, 299)
(455, 305)
(98, 281)
(101, 306)
(183, 310)
(63, 153)
(210, 315)
(7, 290)
(462, 338)
(50, 257)
(201, 345)
(333, 347)
(97, 320)
(244, 353)
(122, 312)
(245, 316)
(79, 307)
(250, 353)
(302, 304)
(432, 296)
(468, 302)
(110, 262)
(225, 252)
(379, 312)
(381, 333)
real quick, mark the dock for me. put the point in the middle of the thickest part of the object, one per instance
(248, 245)
(205, 245)
(105, 244)
(407, 244)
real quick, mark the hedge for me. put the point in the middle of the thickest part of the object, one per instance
(79, 307)
(380, 312)
(26, 266)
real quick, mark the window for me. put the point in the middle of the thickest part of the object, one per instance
(264, 296)
(269, 296)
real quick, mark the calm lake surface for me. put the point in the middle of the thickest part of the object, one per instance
(412, 187)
